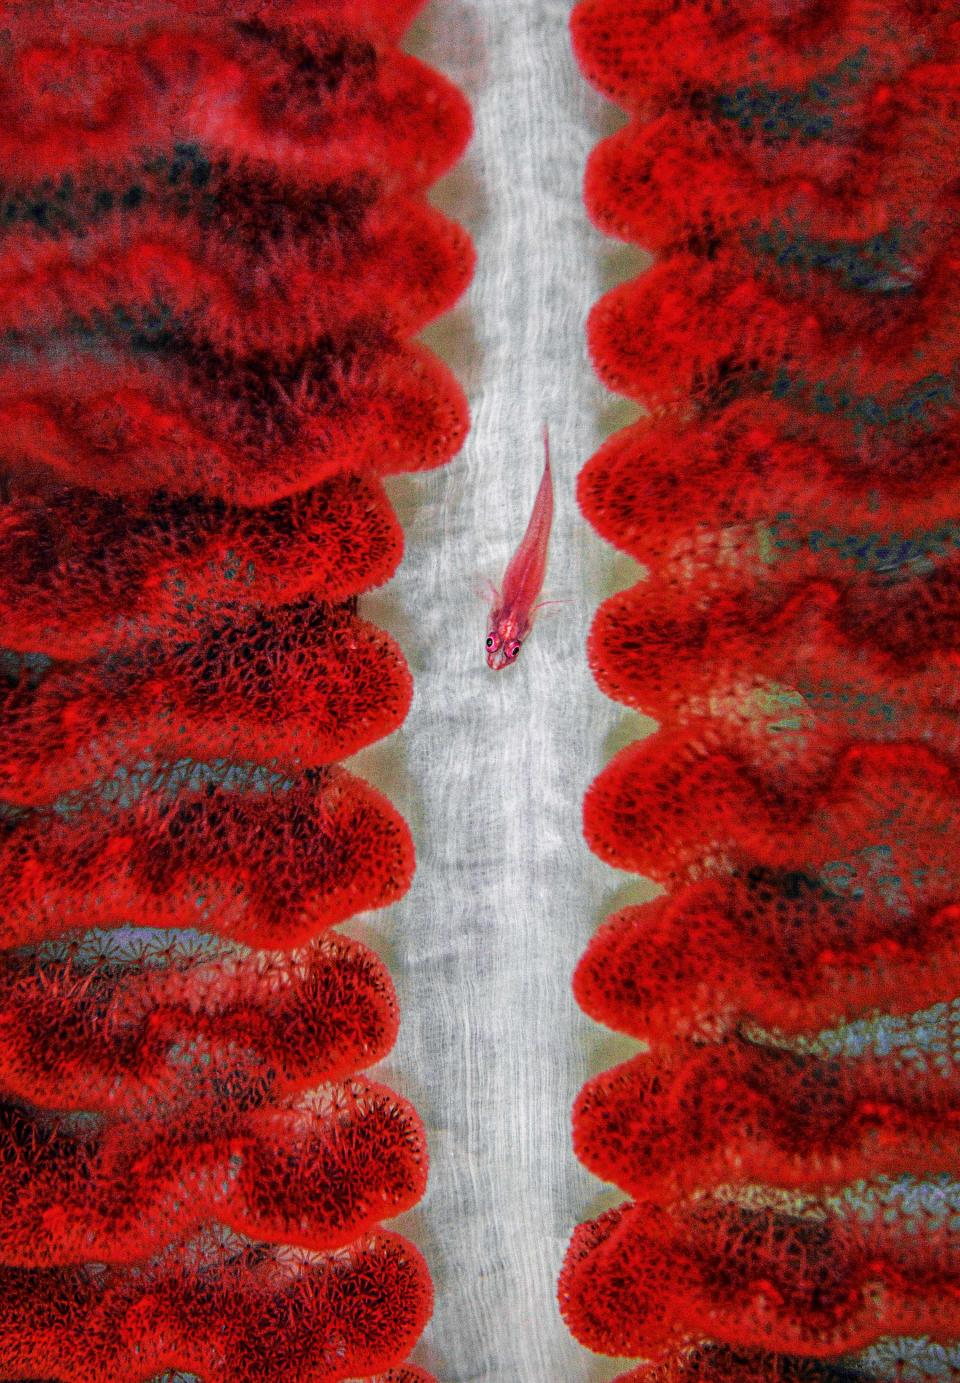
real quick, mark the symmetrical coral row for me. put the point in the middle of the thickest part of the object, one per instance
(215, 1307)
(215, 249)
(794, 494)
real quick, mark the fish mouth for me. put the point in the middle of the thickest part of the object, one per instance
(496, 662)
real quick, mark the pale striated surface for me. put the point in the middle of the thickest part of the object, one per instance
(490, 768)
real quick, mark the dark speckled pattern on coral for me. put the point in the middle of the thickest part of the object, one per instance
(794, 496)
(215, 252)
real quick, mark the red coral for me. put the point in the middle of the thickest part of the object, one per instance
(793, 496)
(80, 572)
(643, 1278)
(315, 1171)
(301, 686)
(405, 1376)
(276, 289)
(664, 490)
(719, 1364)
(680, 806)
(667, 647)
(115, 1035)
(269, 867)
(779, 947)
(215, 248)
(384, 21)
(363, 403)
(739, 1112)
(222, 1312)
(308, 92)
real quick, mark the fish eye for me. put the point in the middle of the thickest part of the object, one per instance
(513, 650)
(489, 640)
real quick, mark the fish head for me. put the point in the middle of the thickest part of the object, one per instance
(503, 644)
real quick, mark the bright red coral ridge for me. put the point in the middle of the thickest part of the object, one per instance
(792, 491)
(215, 254)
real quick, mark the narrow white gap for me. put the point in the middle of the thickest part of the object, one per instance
(490, 769)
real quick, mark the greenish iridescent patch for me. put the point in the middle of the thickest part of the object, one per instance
(127, 785)
(775, 704)
(879, 551)
(919, 408)
(871, 873)
(778, 115)
(831, 698)
(61, 207)
(878, 265)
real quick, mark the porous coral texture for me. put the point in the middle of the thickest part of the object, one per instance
(787, 1130)
(215, 252)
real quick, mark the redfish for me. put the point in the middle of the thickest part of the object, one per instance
(515, 604)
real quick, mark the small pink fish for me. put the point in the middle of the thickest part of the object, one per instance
(511, 616)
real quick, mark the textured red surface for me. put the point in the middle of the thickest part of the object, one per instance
(645, 1277)
(794, 496)
(226, 1311)
(771, 946)
(263, 1025)
(720, 1364)
(270, 868)
(679, 1120)
(314, 1171)
(296, 687)
(215, 250)
(82, 573)
(363, 401)
(405, 1376)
